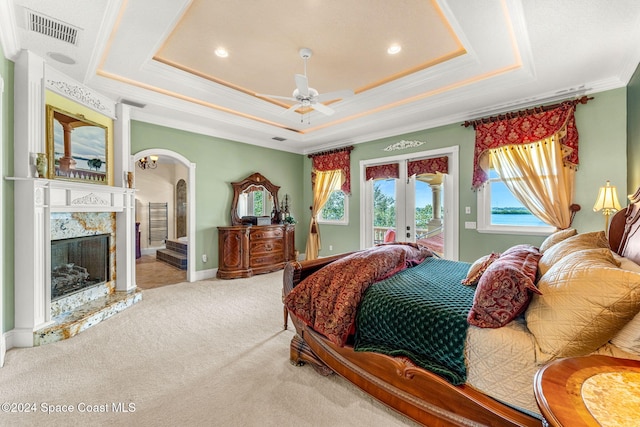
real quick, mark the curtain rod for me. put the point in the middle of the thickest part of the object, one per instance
(521, 113)
(337, 150)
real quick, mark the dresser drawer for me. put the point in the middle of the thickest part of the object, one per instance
(266, 233)
(260, 260)
(266, 246)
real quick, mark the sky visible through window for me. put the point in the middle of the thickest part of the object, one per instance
(501, 197)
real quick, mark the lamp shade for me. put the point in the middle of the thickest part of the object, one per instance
(607, 199)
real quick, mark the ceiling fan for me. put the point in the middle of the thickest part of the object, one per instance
(308, 97)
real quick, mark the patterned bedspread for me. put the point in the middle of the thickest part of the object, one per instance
(328, 299)
(420, 313)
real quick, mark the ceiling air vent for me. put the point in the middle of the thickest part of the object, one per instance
(52, 27)
(279, 138)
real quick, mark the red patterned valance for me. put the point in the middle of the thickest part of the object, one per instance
(391, 170)
(524, 130)
(419, 167)
(332, 161)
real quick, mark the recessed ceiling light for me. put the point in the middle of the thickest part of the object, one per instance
(393, 49)
(56, 56)
(221, 52)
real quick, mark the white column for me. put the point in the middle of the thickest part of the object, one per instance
(29, 121)
(125, 220)
(31, 214)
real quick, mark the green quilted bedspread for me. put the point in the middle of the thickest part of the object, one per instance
(420, 313)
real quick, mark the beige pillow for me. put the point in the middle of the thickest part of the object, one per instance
(555, 253)
(479, 267)
(626, 263)
(628, 338)
(586, 299)
(557, 237)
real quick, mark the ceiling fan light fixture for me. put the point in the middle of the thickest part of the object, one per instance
(221, 52)
(394, 48)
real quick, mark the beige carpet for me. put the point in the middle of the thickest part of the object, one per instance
(209, 353)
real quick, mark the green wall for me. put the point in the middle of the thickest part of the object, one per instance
(602, 124)
(602, 127)
(6, 71)
(218, 163)
(633, 129)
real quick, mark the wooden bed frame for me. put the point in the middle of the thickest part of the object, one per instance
(409, 389)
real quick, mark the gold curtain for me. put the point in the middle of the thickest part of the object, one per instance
(324, 183)
(535, 173)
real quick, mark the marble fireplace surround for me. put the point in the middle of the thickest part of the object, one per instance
(38, 320)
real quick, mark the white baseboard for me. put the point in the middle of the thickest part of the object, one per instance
(204, 274)
(19, 338)
(3, 348)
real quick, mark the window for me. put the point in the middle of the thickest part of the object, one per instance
(500, 212)
(335, 211)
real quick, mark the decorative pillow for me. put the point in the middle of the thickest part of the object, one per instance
(557, 237)
(628, 338)
(504, 290)
(626, 263)
(585, 300)
(520, 249)
(479, 267)
(555, 253)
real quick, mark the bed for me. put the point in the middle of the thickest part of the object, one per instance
(577, 294)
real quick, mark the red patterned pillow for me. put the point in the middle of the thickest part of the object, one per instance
(505, 288)
(478, 268)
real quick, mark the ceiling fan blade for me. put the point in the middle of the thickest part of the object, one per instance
(288, 98)
(338, 94)
(302, 83)
(291, 109)
(322, 108)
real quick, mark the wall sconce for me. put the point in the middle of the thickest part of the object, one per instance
(607, 202)
(150, 162)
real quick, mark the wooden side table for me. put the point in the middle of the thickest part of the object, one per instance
(589, 391)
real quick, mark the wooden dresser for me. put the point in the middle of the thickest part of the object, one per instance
(255, 249)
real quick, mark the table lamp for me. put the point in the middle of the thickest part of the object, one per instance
(607, 202)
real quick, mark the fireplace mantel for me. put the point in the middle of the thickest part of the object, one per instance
(33, 242)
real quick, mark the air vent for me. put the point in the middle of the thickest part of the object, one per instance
(52, 27)
(278, 138)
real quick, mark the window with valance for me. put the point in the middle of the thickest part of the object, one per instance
(335, 160)
(535, 155)
(330, 172)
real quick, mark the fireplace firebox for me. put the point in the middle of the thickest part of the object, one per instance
(78, 263)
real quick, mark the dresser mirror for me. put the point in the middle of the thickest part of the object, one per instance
(253, 196)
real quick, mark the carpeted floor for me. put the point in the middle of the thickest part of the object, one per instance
(209, 353)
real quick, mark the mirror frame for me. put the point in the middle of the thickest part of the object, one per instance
(240, 186)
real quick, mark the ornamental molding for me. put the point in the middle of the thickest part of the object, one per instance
(90, 199)
(78, 93)
(403, 145)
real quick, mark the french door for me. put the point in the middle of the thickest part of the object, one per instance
(410, 208)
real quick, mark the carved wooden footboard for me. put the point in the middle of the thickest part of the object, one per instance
(395, 381)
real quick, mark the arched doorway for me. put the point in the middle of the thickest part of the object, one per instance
(190, 208)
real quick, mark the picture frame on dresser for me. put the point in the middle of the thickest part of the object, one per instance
(77, 148)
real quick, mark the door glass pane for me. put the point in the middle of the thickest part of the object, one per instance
(384, 209)
(429, 215)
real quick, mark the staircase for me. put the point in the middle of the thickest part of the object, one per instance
(174, 254)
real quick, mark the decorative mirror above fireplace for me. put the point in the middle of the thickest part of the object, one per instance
(253, 196)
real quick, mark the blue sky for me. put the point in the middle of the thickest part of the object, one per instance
(500, 196)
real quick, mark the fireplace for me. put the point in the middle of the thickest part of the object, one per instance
(78, 263)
